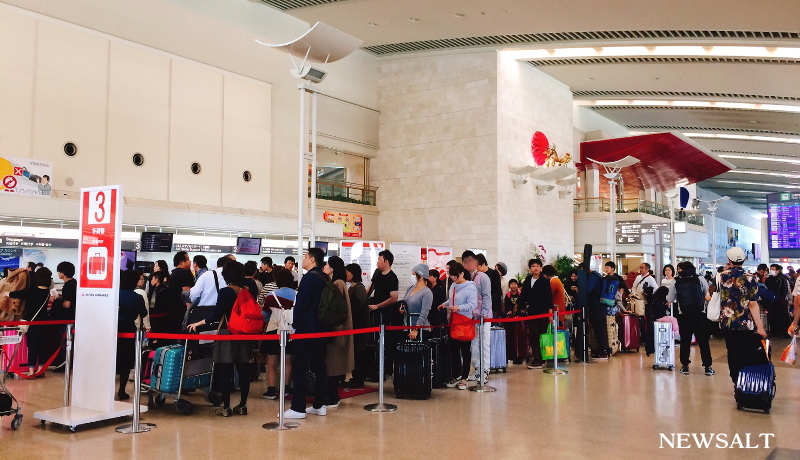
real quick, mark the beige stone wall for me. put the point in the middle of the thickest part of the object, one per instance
(451, 126)
(436, 170)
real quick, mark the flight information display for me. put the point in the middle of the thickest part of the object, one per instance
(783, 214)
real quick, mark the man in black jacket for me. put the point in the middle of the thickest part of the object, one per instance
(778, 309)
(497, 286)
(536, 298)
(309, 353)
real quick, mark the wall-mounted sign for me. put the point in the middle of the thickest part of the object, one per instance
(34, 242)
(26, 176)
(10, 258)
(631, 232)
(351, 223)
(363, 253)
(206, 248)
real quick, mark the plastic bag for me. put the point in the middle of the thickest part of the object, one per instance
(789, 355)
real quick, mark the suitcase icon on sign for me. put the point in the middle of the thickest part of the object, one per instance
(97, 263)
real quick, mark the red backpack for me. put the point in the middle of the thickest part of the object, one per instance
(246, 317)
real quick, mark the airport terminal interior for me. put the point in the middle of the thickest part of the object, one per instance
(600, 147)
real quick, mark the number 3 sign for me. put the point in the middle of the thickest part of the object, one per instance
(100, 233)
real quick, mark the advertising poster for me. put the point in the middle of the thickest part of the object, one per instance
(437, 257)
(25, 176)
(351, 223)
(363, 253)
(406, 257)
(10, 258)
(34, 255)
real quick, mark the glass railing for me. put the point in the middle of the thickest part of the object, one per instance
(631, 205)
(346, 192)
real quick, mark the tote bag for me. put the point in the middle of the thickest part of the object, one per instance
(461, 327)
(713, 308)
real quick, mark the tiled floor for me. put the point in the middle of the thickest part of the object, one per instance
(614, 409)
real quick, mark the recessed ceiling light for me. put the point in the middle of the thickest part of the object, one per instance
(755, 122)
(659, 50)
(459, 15)
(373, 24)
(413, 19)
(590, 78)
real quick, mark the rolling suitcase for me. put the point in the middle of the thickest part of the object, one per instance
(147, 365)
(442, 362)
(166, 371)
(755, 387)
(498, 359)
(664, 341)
(629, 333)
(412, 373)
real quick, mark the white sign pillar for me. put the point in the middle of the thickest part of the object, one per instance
(96, 314)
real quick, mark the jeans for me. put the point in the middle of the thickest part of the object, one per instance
(696, 324)
(474, 349)
(309, 354)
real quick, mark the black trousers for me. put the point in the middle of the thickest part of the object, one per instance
(462, 358)
(536, 327)
(744, 349)
(597, 320)
(37, 346)
(778, 317)
(224, 371)
(359, 364)
(309, 354)
(697, 324)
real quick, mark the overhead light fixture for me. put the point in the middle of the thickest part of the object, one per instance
(758, 158)
(657, 50)
(413, 19)
(459, 15)
(744, 137)
(373, 24)
(765, 173)
(760, 184)
(692, 104)
(753, 191)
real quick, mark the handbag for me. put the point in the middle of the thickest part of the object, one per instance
(461, 327)
(546, 343)
(713, 309)
(23, 328)
(286, 319)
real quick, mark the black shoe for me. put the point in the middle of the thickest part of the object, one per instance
(685, 370)
(240, 409)
(224, 412)
(271, 393)
(123, 396)
(710, 371)
(353, 384)
(288, 390)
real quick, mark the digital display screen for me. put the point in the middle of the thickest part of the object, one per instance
(248, 246)
(156, 242)
(127, 260)
(783, 219)
(322, 245)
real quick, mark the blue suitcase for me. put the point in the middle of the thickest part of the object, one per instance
(167, 364)
(755, 387)
(498, 360)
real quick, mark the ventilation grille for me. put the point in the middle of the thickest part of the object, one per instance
(284, 5)
(699, 128)
(671, 107)
(680, 94)
(659, 60)
(559, 37)
(760, 154)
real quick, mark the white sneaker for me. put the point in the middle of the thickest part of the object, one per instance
(292, 414)
(452, 384)
(321, 411)
(332, 406)
(473, 378)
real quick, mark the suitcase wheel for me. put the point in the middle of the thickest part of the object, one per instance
(184, 407)
(655, 368)
(672, 368)
(738, 407)
(161, 399)
(214, 398)
(505, 370)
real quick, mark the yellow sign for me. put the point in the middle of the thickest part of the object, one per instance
(351, 223)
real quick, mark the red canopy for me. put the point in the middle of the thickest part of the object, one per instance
(664, 159)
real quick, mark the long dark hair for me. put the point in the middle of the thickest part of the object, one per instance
(354, 270)
(337, 265)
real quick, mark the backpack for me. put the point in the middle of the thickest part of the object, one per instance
(689, 294)
(332, 311)
(286, 318)
(609, 295)
(246, 317)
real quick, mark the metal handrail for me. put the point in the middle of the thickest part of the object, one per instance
(346, 192)
(631, 205)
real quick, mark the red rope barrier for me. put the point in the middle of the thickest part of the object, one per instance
(36, 323)
(41, 371)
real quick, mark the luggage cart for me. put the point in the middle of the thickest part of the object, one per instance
(14, 408)
(196, 372)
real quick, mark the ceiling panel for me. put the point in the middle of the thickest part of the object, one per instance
(97, 15)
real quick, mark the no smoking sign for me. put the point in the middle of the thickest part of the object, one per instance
(9, 182)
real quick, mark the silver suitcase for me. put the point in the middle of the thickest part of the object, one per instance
(664, 357)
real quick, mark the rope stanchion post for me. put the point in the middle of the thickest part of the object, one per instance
(136, 426)
(280, 425)
(381, 406)
(555, 370)
(481, 388)
(67, 364)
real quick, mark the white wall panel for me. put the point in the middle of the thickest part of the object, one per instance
(246, 144)
(17, 54)
(138, 121)
(71, 101)
(195, 134)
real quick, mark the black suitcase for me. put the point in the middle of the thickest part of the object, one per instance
(442, 370)
(412, 373)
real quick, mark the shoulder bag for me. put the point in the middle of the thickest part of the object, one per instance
(461, 327)
(714, 308)
(23, 328)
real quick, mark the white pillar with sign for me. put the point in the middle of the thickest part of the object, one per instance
(94, 365)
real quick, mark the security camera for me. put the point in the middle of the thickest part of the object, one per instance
(519, 181)
(309, 73)
(544, 189)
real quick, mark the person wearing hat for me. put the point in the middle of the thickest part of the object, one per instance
(740, 319)
(418, 299)
(502, 269)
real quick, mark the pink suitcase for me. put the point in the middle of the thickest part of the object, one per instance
(21, 359)
(629, 333)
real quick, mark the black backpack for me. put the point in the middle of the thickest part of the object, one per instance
(689, 294)
(332, 311)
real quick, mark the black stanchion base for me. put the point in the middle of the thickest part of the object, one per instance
(380, 407)
(276, 426)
